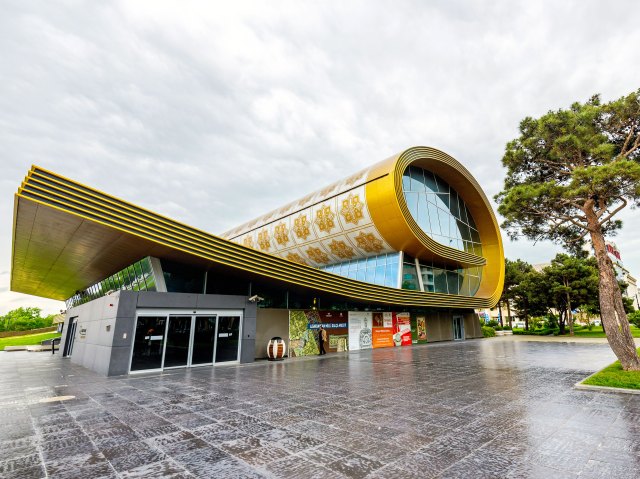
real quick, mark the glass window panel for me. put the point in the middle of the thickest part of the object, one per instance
(417, 179)
(379, 276)
(412, 204)
(475, 236)
(444, 199)
(390, 276)
(452, 282)
(140, 275)
(455, 209)
(122, 279)
(464, 284)
(430, 181)
(453, 228)
(423, 215)
(463, 211)
(440, 280)
(443, 187)
(474, 284)
(133, 275)
(360, 276)
(370, 274)
(133, 283)
(406, 182)
(444, 224)
(409, 276)
(465, 234)
(434, 219)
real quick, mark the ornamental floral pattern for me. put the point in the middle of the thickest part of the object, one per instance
(369, 243)
(327, 190)
(352, 209)
(281, 233)
(263, 240)
(324, 219)
(248, 241)
(301, 227)
(296, 258)
(305, 200)
(341, 249)
(353, 178)
(317, 255)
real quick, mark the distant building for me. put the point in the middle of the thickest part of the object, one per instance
(623, 273)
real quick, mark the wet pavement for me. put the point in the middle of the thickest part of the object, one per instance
(484, 408)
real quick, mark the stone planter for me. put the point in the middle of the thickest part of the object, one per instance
(499, 333)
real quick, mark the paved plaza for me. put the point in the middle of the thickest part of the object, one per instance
(493, 408)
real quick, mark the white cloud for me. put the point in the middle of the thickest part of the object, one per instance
(215, 113)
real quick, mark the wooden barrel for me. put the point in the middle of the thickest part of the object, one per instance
(276, 349)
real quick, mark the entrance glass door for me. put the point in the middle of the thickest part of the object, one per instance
(148, 343)
(227, 338)
(204, 336)
(169, 340)
(71, 335)
(458, 327)
(178, 341)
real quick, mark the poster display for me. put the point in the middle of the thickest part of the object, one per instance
(360, 323)
(402, 329)
(421, 327)
(353, 330)
(382, 337)
(304, 327)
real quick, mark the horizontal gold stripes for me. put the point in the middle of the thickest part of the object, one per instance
(53, 191)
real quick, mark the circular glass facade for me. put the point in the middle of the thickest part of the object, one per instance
(439, 211)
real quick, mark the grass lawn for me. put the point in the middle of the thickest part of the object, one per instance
(28, 340)
(597, 332)
(614, 377)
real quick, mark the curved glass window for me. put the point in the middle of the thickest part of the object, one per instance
(439, 211)
(381, 269)
(437, 278)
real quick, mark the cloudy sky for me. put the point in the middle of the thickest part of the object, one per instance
(213, 113)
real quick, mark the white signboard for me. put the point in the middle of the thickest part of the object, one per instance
(360, 330)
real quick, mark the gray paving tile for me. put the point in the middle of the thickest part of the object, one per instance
(447, 410)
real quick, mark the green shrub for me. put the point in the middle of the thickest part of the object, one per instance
(551, 322)
(507, 328)
(535, 322)
(537, 332)
(492, 323)
(497, 328)
(634, 318)
(488, 332)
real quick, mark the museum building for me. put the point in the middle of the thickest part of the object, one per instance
(399, 253)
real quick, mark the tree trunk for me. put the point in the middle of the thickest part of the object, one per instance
(612, 314)
(569, 315)
(509, 312)
(561, 322)
(500, 313)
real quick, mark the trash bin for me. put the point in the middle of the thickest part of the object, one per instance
(276, 349)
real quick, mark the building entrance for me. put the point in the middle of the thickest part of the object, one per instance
(458, 328)
(163, 341)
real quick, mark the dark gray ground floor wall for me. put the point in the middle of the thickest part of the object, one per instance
(106, 326)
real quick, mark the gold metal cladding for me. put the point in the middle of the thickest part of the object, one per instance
(68, 236)
(390, 214)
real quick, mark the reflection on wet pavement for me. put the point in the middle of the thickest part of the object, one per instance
(486, 408)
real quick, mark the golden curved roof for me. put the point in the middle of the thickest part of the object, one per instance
(67, 236)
